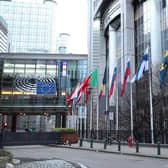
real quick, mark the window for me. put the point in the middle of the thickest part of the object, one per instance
(64, 68)
(163, 3)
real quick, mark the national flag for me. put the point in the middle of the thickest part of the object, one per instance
(127, 73)
(112, 82)
(79, 96)
(45, 87)
(143, 67)
(90, 81)
(103, 84)
(93, 79)
(101, 90)
(73, 106)
(75, 94)
(69, 98)
(86, 95)
(163, 69)
(84, 85)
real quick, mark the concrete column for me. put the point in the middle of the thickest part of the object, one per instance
(37, 124)
(155, 43)
(127, 36)
(155, 32)
(14, 119)
(61, 121)
(112, 60)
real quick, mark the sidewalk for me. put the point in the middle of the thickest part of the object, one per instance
(144, 151)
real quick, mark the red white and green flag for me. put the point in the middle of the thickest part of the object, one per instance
(90, 81)
(93, 79)
(69, 98)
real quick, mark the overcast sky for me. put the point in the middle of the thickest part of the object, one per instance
(72, 19)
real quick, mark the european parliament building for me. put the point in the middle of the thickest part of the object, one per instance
(34, 80)
(34, 87)
(121, 30)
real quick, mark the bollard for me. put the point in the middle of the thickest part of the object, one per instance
(137, 147)
(80, 144)
(69, 142)
(119, 146)
(105, 144)
(158, 148)
(1, 140)
(91, 143)
(110, 143)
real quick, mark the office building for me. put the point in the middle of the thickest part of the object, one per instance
(34, 88)
(126, 29)
(3, 35)
(63, 42)
(31, 26)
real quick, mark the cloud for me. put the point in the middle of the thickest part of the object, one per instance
(72, 18)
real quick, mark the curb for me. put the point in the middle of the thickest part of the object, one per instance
(112, 152)
(71, 147)
(133, 154)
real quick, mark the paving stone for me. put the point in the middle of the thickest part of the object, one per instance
(46, 164)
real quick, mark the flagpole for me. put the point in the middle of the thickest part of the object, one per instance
(85, 122)
(106, 95)
(106, 114)
(151, 105)
(117, 108)
(97, 117)
(131, 101)
(90, 114)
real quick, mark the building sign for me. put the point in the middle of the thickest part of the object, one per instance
(82, 112)
(111, 115)
(46, 87)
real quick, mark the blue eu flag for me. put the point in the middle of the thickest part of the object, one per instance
(46, 87)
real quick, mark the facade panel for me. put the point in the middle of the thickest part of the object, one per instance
(38, 84)
(31, 26)
(127, 29)
(3, 35)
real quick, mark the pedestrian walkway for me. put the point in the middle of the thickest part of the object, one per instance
(143, 150)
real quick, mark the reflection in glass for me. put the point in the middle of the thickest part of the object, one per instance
(40, 68)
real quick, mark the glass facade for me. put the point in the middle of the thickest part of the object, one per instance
(164, 23)
(19, 81)
(142, 28)
(3, 35)
(31, 26)
(142, 41)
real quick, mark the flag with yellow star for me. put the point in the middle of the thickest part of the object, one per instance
(163, 69)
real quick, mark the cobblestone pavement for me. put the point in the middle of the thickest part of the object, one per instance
(47, 164)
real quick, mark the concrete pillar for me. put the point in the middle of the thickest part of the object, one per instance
(155, 32)
(13, 126)
(127, 36)
(112, 60)
(37, 123)
(58, 120)
(156, 55)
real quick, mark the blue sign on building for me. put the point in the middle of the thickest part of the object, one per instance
(46, 87)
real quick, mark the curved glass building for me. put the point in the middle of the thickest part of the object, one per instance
(38, 84)
(125, 29)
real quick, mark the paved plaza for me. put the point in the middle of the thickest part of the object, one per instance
(37, 156)
(145, 150)
(47, 164)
